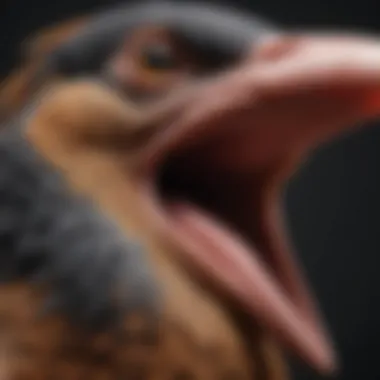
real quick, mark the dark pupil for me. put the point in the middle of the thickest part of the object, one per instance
(158, 56)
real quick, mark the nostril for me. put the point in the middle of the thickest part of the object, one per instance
(276, 48)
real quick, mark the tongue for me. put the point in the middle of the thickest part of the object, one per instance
(238, 270)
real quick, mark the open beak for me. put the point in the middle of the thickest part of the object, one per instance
(216, 170)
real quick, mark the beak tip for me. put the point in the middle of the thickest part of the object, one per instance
(330, 365)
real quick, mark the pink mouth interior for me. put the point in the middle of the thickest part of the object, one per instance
(207, 218)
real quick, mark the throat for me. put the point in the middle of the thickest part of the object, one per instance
(218, 338)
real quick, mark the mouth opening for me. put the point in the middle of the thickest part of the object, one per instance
(216, 217)
(189, 187)
(184, 180)
(210, 211)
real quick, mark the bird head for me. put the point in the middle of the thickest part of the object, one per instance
(184, 122)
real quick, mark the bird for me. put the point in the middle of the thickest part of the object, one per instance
(143, 157)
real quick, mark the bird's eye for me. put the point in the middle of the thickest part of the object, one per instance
(158, 56)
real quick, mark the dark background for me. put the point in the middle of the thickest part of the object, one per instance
(333, 203)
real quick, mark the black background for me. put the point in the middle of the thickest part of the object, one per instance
(333, 203)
